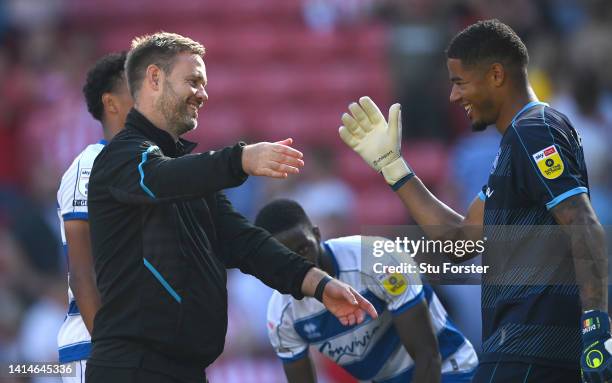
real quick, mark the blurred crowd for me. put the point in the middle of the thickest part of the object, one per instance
(46, 47)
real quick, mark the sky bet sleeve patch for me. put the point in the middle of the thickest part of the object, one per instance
(395, 284)
(549, 162)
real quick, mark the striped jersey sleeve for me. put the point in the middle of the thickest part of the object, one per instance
(72, 193)
(400, 291)
(286, 342)
(549, 163)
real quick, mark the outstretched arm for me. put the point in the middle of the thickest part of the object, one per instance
(339, 298)
(366, 131)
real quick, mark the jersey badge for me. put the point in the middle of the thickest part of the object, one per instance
(395, 284)
(84, 181)
(549, 162)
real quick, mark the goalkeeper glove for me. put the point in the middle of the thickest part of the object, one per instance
(376, 141)
(596, 360)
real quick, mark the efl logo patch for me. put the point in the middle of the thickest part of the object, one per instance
(395, 284)
(549, 162)
(84, 181)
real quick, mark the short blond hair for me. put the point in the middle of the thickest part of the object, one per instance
(158, 49)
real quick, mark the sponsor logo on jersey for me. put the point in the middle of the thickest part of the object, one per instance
(84, 181)
(357, 346)
(549, 162)
(495, 161)
(311, 330)
(395, 284)
(594, 358)
(79, 202)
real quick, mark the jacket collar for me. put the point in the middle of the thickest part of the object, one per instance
(163, 139)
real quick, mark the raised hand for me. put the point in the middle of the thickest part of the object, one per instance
(272, 159)
(379, 143)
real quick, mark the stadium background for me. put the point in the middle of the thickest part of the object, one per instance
(276, 69)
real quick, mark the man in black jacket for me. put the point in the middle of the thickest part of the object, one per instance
(163, 234)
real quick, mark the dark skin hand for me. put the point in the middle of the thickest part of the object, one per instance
(588, 249)
(82, 275)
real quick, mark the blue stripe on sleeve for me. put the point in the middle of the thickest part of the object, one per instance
(75, 351)
(482, 196)
(560, 198)
(144, 159)
(161, 280)
(75, 216)
(73, 309)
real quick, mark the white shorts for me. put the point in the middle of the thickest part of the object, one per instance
(79, 367)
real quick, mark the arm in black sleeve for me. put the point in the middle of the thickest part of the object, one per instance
(151, 177)
(254, 251)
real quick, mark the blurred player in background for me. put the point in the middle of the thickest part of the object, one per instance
(108, 101)
(530, 332)
(412, 340)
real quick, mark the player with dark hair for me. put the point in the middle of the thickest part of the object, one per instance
(108, 101)
(531, 333)
(411, 340)
(106, 93)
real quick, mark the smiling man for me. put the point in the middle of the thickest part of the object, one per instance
(163, 233)
(531, 333)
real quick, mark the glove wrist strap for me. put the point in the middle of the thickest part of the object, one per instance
(397, 173)
(595, 325)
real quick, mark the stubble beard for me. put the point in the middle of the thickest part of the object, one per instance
(175, 112)
(479, 126)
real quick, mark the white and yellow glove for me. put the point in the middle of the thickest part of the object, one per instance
(378, 143)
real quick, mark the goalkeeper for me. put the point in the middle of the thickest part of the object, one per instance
(530, 333)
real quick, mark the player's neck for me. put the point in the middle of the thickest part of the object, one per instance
(514, 102)
(110, 130)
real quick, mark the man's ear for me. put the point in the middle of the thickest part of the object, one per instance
(109, 103)
(497, 74)
(317, 233)
(154, 77)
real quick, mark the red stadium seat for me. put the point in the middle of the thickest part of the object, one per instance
(378, 205)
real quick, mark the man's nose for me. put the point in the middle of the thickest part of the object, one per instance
(455, 96)
(201, 94)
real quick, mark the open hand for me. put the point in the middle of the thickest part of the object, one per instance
(346, 304)
(272, 159)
